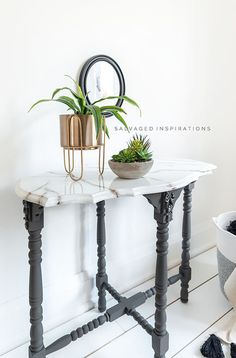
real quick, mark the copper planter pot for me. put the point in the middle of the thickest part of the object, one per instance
(78, 132)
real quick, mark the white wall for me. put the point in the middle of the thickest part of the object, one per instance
(178, 58)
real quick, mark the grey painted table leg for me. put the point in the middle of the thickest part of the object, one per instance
(101, 277)
(163, 205)
(185, 269)
(34, 224)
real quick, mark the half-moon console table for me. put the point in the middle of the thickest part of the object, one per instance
(162, 187)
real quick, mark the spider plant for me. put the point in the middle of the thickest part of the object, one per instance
(78, 104)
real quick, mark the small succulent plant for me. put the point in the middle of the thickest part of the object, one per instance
(126, 155)
(137, 151)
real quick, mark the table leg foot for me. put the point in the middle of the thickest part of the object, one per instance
(160, 344)
(101, 277)
(41, 354)
(185, 269)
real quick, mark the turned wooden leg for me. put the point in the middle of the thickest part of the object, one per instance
(160, 338)
(163, 204)
(101, 277)
(185, 269)
(34, 224)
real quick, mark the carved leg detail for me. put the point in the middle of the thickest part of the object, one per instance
(163, 204)
(160, 338)
(101, 251)
(34, 225)
(185, 269)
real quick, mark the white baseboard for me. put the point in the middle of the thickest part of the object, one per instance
(62, 301)
(125, 275)
(72, 296)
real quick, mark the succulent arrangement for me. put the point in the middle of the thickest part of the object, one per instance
(78, 104)
(138, 150)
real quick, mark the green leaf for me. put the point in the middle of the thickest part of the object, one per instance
(77, 97)
(95, 111)
(125, 156)
(63, 99)
(65, 88)
(116, 108)
(79, 94)
(75, 82)
(105, 127)
(99, 118)
(86, 110)
(69, 102)
(78, 88)
(125, 98)
(131, 101)
(40, 101)
(139, 142)
(119, 117)
(143, 155)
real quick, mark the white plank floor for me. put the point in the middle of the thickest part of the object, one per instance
(188, 324)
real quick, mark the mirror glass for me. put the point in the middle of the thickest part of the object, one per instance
(101, 77)
(102, 81)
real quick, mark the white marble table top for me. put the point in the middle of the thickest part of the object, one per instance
(51, 189)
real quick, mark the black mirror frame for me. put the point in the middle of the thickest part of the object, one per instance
(84, 73)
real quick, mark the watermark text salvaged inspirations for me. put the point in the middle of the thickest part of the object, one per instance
(165, 128)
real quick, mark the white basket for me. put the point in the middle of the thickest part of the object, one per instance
(226, 246)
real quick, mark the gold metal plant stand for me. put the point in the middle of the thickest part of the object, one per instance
(69, 151)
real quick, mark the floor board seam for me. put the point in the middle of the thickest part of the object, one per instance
(200, 334)
(124, 331)
(147, 318)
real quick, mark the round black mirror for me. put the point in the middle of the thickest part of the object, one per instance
(100, 77)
